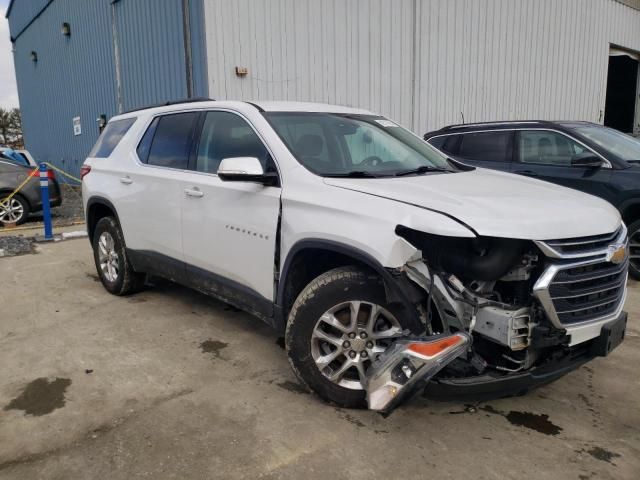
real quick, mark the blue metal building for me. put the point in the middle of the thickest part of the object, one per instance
(79, 60)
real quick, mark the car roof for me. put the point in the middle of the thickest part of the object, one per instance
(267, 106)
(509, 124)
(286, 106)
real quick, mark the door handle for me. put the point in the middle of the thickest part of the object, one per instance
(193, 192)
(126, 180)
(530, 173)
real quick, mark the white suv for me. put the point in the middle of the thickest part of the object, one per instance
(387, 264)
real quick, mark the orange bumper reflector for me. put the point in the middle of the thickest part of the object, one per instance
(431, 349)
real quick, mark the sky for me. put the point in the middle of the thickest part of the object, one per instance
(8, 89)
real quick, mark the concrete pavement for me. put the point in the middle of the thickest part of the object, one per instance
(171, 384)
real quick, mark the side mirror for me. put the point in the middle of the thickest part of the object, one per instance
(586, 159)
(245, 169)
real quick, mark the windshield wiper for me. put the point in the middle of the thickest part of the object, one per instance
(352, 174)
(422, 169)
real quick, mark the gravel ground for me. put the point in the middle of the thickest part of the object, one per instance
(16, 245)
(66, 214)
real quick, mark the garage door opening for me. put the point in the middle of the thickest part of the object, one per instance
(622, 91)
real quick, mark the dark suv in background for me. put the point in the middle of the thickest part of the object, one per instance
(581, 155)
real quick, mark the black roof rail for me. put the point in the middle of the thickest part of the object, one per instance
(496, 124)
(171, 102)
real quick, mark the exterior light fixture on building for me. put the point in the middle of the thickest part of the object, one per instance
(241, 71)
(102, 121)
(34, 56)
(66, 29)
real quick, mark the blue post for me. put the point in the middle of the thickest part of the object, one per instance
(46, 206)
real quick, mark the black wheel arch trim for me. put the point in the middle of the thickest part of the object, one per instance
(627, 204)
(395, 282)
(98, 200)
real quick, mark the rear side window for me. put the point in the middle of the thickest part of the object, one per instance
(446, 143)
(172, 140)
(144, 147)
(486, 146)
(111, 136)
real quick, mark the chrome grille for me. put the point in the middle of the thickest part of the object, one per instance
(581, 246)
(581, 284)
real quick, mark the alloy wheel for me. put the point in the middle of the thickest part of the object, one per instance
(348, 337)
(11, 212)
(108, 257)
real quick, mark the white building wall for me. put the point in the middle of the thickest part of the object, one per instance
(422, 62)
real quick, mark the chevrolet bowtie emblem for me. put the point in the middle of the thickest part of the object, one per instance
(617, 253)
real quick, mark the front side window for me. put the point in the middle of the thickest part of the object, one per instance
(226, 135)
(172, 140)
(110, 137)
(332, 144)
(486, 146)
(618, 143)
(547, 148)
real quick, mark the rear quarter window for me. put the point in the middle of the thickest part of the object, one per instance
(110, 137)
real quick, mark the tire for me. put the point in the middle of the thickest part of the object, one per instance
(18, 203)
(120, 279)
(330, 292)
(634, 238)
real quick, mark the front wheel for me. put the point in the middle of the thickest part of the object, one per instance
(338, 325)
(634, 250)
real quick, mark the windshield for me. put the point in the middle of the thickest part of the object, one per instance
(332, 144)
(621, 145)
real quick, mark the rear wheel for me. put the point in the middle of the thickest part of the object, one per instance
(15, 210)
(110, 256)
(338, 325)
(634, 250)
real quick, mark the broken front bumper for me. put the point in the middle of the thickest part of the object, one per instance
(496, 384)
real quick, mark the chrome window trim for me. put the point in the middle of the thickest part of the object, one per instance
(607, 163)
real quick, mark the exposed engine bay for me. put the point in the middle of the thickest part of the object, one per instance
(510, 305)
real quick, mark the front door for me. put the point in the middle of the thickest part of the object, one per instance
(229, 228)
(547, 155)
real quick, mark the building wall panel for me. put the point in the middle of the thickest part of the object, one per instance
(336, 51)
(152, 51)
(22, 12)
(74, 76)
(426, 63)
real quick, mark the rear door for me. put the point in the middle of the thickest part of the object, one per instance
(547, 155)
(150, 192)
(229, 228)
(487, 149)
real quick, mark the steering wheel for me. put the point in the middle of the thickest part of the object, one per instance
(372, 161)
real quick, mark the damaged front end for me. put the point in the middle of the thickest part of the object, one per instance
(506, 310)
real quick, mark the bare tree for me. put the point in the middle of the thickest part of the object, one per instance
(11, 128)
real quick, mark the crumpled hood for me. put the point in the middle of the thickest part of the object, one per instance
(497, 204)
